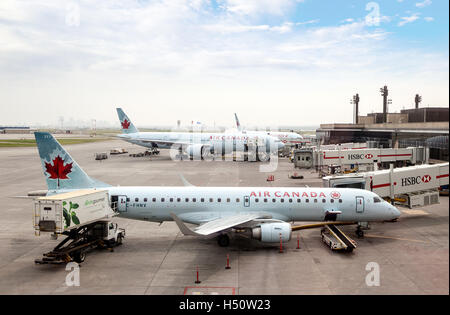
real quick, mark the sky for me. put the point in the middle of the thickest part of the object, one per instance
(273, 62)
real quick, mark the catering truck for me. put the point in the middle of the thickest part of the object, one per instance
(83, 216)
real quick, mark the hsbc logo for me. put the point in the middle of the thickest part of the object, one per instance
(359, 156)
(414, 180)
(355, 156)
(426, 178)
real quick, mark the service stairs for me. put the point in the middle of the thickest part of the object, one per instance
(336, 239)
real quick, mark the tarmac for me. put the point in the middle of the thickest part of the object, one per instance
(411, 255)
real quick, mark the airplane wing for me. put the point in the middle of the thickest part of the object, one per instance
(217, 225)
(167, 143)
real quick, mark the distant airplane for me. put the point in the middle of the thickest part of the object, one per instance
(288, 138)
(199, 144)
(262, 213)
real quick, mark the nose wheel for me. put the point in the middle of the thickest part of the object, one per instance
(223, 240)
(359, 232)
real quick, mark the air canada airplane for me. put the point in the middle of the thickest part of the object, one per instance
(288, 138)
(199, 144)
(261, 212)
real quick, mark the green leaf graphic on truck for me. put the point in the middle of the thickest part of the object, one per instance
(70, 215)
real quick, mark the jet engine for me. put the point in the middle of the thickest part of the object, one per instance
(197, 151)
(271, 232)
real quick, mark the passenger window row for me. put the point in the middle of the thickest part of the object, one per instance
(185, 199)
(290, 200)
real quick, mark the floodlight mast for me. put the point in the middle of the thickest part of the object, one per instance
(355, 101)
(417, 100)
(384, 92)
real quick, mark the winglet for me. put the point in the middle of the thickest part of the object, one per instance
(238, 125)
(183, 228)
(184, 180)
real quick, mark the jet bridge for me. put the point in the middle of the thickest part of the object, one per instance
(357, 158)
(411, 186)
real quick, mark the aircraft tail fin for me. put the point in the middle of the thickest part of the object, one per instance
(60, 169)
(125, 122)
(238, 125)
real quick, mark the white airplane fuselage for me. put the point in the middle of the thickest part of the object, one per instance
(202, 204)
(217, 141)
(288, 138)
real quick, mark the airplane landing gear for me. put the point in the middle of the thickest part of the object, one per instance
(223, 240)
(362, 226)
(262, 156)
(359, 232)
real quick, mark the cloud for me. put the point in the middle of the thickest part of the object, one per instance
(428, 19)
(163, 37)
(423, 4)
(408, 19)
(308, 22)
(224, 28)
(140, 52)
(258, 7)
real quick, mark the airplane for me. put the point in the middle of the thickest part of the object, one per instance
(288, 138)
(198, 145)
(263, 213)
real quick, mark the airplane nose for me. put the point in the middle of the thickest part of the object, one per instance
(395, 212)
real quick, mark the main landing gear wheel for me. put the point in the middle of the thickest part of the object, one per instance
(262, 156)
(223, 240)
(79, 256)
(359, 232)
(119, 239)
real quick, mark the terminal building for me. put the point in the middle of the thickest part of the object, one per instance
(16, 130)
(428, 127)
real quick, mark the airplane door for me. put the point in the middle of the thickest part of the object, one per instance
(122, 204)
(359, 204)
(246, 201)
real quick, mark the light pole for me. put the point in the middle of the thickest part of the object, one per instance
(384, 92)
(417, 100)
(355, 101)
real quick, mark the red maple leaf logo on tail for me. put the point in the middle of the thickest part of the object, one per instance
(125, 124)
(58, 170)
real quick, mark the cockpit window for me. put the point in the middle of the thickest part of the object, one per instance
(376, 199)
